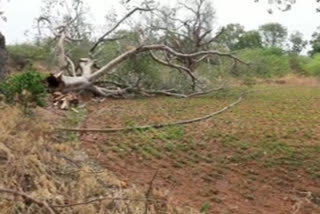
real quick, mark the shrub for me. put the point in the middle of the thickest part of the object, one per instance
(265, 62)
(313, 65)
(24, 88)
(298, 64)
(23, 55)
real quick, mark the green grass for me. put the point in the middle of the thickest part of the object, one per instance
(73, 118)
(75, 115)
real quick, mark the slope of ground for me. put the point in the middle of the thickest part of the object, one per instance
(260, 157)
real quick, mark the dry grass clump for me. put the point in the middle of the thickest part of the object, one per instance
(50, 176)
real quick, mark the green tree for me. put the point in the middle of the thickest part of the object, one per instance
(315, 43)
(273, 34)
(313, 66)
(251, 39)
(231, 36)
(297, 44)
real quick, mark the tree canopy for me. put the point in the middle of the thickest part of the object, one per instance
(297, 43)
(315, 43)
(273, 34)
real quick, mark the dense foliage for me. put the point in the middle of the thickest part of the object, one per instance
(27, 87)
(313, 65)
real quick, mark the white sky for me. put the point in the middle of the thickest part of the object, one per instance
(302, 17)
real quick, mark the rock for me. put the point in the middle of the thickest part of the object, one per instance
(3, 57)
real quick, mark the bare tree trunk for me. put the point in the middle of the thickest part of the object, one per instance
(3, 57)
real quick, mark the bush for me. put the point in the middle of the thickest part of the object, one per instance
(23, 55)
(265, 62)
(29, 51)
(24, 88)
(298, 64)
(313, 65)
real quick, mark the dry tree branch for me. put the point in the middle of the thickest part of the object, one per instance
(158, 126)
(144, 48)
(188, 8)
(171, 32)
(206, 33)
(28, 197)
(172, 94)
(73, 67)
(102, 38)
(45, 19)
(110, 93)
(202, 58)
(62, 59)
(167, 63)
(175, 66)
(214, 39)
(149, 191)
(103, 199)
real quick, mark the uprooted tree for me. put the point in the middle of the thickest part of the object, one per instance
(180, 44)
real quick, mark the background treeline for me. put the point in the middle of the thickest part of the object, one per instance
(270, 49)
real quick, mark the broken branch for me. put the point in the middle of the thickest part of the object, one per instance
(158, 126)
(102, 199)
(102, 38)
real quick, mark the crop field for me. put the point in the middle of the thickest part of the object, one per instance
(261, 156)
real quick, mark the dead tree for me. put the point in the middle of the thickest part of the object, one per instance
(89, 73)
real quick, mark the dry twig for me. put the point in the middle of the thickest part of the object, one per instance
(149, 192)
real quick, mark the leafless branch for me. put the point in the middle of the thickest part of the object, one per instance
(109, 93)
(103, 37)
(62, 59)
(103, 199)
(47, 20)
(145, 48)
(73, 67)
(175, 66)
(172, 94)
(149, 191)
(214, 39)
(158, 126)
(188, 7)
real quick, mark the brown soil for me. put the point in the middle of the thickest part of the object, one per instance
(225, 186)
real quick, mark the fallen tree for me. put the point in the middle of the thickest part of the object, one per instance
(88, 74)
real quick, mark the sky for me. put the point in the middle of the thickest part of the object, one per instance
(21, 16)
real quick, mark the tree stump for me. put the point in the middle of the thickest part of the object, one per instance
(3, 57)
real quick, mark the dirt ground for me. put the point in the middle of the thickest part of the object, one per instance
(260, 157)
